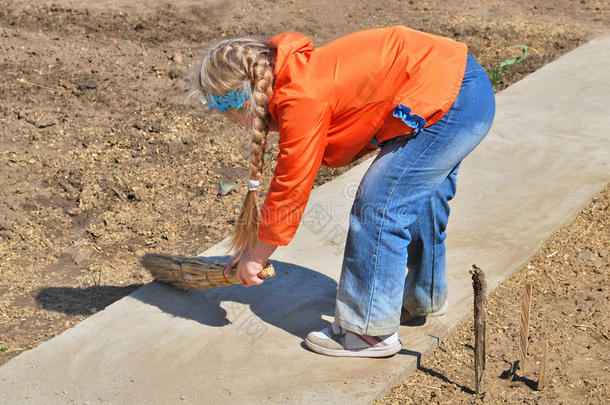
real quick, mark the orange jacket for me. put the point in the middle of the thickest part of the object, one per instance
(330, 101)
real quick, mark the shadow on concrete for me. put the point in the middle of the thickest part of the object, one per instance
(294, 300)
(434, 373)
(415, 321)
(81, 301)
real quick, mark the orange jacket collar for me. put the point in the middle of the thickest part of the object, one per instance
(286, 44)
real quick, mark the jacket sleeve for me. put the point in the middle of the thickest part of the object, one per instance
(303, 127)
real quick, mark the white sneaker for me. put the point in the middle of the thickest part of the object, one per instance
(337, 341)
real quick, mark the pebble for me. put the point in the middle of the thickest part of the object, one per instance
(155, 127)
(87, 84)
(7, 234)
(42, 120)
(176, 57)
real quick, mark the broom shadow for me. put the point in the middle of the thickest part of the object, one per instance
(294, 300)
(81, 301)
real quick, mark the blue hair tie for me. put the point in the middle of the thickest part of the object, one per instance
(233, 99)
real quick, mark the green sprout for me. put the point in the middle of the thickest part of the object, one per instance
(225, 189)
(92, 276)
(496, 73)
(511, 373)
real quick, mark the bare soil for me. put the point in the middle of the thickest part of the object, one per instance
(102, 158)
(570, 278)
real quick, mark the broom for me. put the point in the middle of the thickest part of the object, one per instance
(194, 273)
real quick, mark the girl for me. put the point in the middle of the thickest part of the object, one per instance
(420, 99)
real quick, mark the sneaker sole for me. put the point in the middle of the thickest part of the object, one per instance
(381, 351)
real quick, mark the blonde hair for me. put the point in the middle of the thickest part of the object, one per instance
(235, 65)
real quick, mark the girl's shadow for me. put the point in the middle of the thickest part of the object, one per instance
(294, 300)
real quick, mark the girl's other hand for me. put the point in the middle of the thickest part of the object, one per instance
(229, 266)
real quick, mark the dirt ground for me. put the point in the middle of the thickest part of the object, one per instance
(103, 158)
(570, 280)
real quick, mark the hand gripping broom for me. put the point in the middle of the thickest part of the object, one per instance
(194, 273)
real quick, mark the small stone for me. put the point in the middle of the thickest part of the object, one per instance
(584, 255)
(176, 57)
(155, 127)
(87, 84)
(597, 261)
(7, 234)
(42, 120)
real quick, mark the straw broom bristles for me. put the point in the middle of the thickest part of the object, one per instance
(525, 324)
(194, 273)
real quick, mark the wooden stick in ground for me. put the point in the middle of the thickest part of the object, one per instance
(480, 290)
(542, 373)
(525, 324)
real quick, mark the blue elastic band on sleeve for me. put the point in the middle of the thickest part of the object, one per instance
(413, 120)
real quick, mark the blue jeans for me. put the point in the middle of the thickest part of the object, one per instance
(400, 213)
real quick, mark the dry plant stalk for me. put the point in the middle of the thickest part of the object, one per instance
(542, 372)
(525, 324)
(480, 290)
(194, 273)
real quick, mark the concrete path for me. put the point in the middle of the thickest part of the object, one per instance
(547, 155)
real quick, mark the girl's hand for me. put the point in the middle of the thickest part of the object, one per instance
(251, 263)
(248, 269)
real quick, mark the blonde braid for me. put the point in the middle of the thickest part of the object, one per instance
(230, 66)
